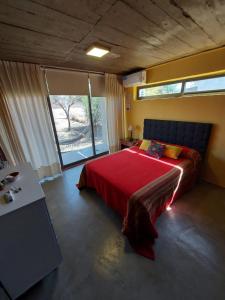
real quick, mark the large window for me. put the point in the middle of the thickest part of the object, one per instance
(184, 87)
(78, 109)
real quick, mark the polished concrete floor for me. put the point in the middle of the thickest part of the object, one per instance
(99, 264)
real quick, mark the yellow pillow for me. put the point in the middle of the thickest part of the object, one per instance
(172, 151)
(145, 145)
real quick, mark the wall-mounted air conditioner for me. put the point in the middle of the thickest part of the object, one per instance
(137, 78)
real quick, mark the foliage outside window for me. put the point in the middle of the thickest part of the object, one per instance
(72, 121)
(161, 90)
(185, 87)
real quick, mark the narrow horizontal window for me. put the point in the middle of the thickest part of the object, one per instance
(160, 90)
(205, 85)
(209, 85)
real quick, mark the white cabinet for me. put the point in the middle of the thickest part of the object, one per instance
(28, 245)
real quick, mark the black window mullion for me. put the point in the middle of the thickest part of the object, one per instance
(182, 87)
(90, 115)
(55, 131)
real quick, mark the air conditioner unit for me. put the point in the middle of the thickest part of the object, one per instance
(137, 78)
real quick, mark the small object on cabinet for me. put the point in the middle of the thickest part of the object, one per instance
(8, 197)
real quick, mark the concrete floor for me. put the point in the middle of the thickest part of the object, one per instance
(99, 264)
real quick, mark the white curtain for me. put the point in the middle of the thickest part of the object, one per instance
(9, 140)
(115, 110)
(24, 90)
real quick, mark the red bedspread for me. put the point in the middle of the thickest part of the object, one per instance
(139, 188)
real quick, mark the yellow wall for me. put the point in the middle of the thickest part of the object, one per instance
(210, 108)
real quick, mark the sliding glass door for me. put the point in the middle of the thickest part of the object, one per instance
(78, 110)
(98, 108)
(72, 123)
(78, 138)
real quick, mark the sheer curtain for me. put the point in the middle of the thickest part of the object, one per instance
(9, 140)
(24, 92)
(115, 110)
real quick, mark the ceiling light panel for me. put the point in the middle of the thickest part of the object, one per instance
(97, 51)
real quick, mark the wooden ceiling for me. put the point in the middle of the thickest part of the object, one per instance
(140, 33)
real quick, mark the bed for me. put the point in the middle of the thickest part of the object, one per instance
(140, 187)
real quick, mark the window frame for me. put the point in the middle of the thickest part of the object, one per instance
(203, 92)
(182, 93)
(81, 161)
(159, 96)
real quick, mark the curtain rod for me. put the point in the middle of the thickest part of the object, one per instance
(45, 67)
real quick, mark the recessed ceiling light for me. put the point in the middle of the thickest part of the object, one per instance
(97, 51)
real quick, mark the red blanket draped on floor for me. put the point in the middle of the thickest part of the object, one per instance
(139, 188)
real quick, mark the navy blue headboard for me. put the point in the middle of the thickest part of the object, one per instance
(191, 134)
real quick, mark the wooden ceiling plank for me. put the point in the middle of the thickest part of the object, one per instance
(115, 40)
(118, 55)
(37, 18)
(140, 33)
(158, 14)
(17, 36)
(206, 15)
(123, 18)
(108, 66)
(187, 22)
(20, 48)
(126, 57)
(157, 17)
(115, 36)
(28, 52)
(36, 60)
(88, 11)
(98, 68)
(79, 60)
(24, 57)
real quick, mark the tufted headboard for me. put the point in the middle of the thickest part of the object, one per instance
(190, 134)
